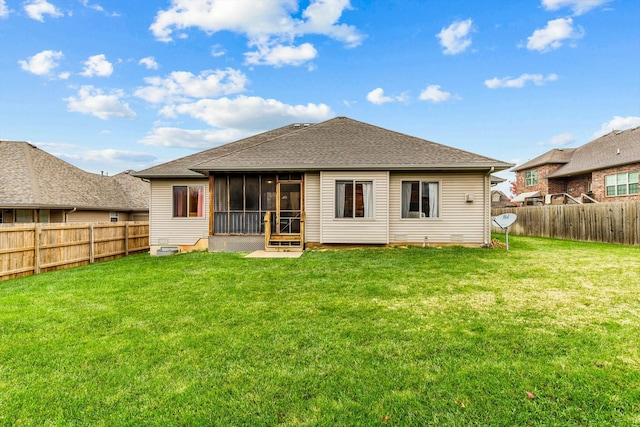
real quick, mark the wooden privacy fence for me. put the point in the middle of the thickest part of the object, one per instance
(598, 222)
(37, 248)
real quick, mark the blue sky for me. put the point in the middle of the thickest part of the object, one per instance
(120, 84)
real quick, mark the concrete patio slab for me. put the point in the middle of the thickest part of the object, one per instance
(265, 254)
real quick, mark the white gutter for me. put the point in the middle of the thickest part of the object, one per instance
(487, 205)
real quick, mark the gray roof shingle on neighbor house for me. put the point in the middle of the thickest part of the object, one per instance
(33, 178)
(555, 156)
(336, 144)
(613, 149)
(616, 148)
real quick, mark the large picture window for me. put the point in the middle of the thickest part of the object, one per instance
(188, 201)
(420, 199)
(531, 178)
(621, 184)
(354, 199)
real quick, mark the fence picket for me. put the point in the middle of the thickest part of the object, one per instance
(617, 222)
(27, 249)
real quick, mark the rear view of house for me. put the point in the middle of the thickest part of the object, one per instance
(336, 182)
(36, 186)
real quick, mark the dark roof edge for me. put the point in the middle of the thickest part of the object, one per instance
(307, 168)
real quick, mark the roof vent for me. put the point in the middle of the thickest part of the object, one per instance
(618, 152)
(296, 125)
(306, 125)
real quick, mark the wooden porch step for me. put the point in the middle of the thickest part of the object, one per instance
(284, 243)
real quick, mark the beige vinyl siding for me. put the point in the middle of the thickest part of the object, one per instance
(354, 230)
(459, 221)
(166, 230)
(88, 216)
(312, 207)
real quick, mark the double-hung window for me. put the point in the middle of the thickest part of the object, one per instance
(420, 199)
(188, 201)
(354, 199)
(531, 178)
(621, 184)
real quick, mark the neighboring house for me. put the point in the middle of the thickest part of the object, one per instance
(36, 186)
(336, 182)
(603, 170)
(499, 199)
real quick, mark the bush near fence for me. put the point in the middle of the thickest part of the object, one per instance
(617, 222)
(27, 249)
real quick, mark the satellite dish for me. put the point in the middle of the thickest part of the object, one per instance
(504, 220)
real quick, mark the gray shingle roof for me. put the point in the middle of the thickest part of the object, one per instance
(33, 178)
(613, 149)
(555, 156)
(336, 144)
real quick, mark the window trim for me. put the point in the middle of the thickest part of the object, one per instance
(421, 182)
(531, 178)
(354, 182)
(187, 208)
(615, 186)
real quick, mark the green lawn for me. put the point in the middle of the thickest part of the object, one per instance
(418, 336)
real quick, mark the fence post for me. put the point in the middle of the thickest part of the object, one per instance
(36, 248)
(126, 239)
(91, 241)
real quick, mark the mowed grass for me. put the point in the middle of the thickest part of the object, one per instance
(547, 334)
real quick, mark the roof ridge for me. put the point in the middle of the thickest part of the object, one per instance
(33, 178)
(239, 150)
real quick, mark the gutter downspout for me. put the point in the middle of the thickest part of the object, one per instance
(487, 205)
(66, 214)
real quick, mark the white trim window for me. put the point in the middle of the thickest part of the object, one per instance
(188, 201)
(621, 184)
(420, 199)
(354, 199)
(531, 178)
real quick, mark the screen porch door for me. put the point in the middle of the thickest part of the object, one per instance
(288, 207)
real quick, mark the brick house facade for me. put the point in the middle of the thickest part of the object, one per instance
(605, 170)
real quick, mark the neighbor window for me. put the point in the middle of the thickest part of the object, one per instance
(531, 177)
(188, 201)
(113, 216)
(24, 215)
(354, 199)
(621, 184)
(420, 199)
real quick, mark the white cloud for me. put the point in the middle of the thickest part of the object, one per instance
(559, 140)
(42, 63)
(281, 55)
(104, 106)
(378, 97)
(97, 7)
(249, 113)
(552, 36)
(519, 82)
(270, 25)
(455, 38)
(36, 9)
(4, 10)
(217, 50)
(97, 65)
(181, 86)
(434, 94)
(578, 6)
(618, 123)
(149, 62)
(194, 139)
